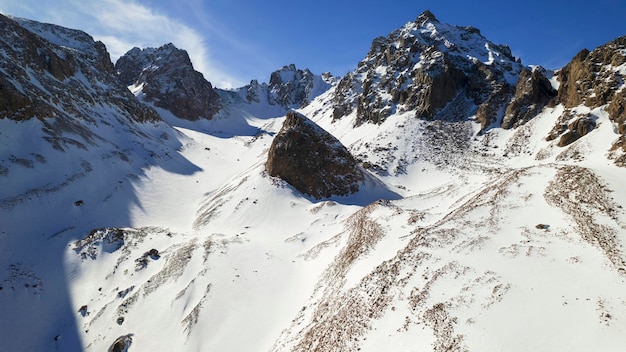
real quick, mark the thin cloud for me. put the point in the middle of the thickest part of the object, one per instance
(122, 25)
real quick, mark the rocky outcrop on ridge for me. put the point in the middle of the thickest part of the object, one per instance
(165, 77)
(312, 160)
(437, 70)
(289, 87)
(532, 93)
(593, 79)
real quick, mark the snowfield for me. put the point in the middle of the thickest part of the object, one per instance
(486, 253)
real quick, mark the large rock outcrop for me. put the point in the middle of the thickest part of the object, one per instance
(594, 79)
(532, 93)
(312, 161)
(165, 77)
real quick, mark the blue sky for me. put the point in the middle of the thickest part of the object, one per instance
(232, 42)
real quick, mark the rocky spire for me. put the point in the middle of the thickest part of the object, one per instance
(532, 92)
(425, 17)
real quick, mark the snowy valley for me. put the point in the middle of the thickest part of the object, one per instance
(471, 203)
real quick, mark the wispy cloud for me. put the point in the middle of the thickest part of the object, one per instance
(122, 25)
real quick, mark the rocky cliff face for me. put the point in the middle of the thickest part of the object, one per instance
(593, 79)
(63, 78)
(165, 77)
(289, 87)
(312, 160)
(59, 86)
(437, 70)
(532, 93)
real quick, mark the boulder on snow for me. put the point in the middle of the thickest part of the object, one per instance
(121, 344)
(312, 160)
(577, 129)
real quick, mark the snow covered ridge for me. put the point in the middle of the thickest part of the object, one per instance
(65, 114)
(119, 232)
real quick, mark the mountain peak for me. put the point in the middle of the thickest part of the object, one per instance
(165, 77)
(289, 87)
(425, 17)
(426, 66)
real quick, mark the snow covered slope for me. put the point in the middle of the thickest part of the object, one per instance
(482, 238)
(75, 143)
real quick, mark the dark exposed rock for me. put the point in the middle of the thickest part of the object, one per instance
(167, 79)
(576, 130)
(589, 78)
(491, 109)
(418, 68)
(66, 80)
(289, 86)
(311, 160)
(83, 310)
(576, 80)
(425, 16)
(560, 126)
(532, 92)
(121, 344)
(617, 111)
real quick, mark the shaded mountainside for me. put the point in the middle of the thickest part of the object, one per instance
(60, 76)
(63, 106)
(75, 143)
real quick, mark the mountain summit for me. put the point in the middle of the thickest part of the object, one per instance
(289, 87)
(165, 77)
(437, 70)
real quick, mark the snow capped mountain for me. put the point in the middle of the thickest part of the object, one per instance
(434, 69)
(441, 196)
